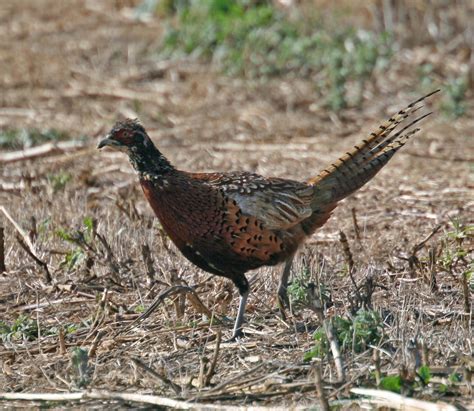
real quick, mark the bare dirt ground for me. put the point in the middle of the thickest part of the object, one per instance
(76, 67)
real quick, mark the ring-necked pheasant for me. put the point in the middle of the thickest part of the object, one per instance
(230, 223)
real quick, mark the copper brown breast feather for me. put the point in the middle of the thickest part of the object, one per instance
(230, 223)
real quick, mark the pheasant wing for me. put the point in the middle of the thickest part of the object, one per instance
(277, 203)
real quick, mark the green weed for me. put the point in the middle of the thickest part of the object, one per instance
(426, 73)
(140, 308)
(58, 181)
(353, 334)
(455, 247)
(408, 384)
(80, 363)
(23, 138)
(256, 40)
(454, 104)
(321, 346)
(297, 290)
(424, 374)
(392, 383)
(25, 328)
(81, 239)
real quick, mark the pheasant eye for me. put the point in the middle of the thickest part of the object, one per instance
(125, 136)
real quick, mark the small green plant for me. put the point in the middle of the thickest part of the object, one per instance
(44, 226)
(424, 374)
(59, 180)
(297, 291)
(73, 258)
(23, 138)
(300, 290)
(397, 384)
(356, 334)
(321, 345)
(336, 99)
(455, 249)
(140, 308)
(257, 40)
(81, 239)
(392, 383)
(80, 363)
(453, 379)
(68, 329)
(359, 332)
(454, 103)
(425, 74)
(469, 274)
(23, 328)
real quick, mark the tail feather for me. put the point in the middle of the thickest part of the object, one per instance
(358, 166)
(373, 166)
(398, 136)
(361, 164)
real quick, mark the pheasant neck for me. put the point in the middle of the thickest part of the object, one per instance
(150, 161)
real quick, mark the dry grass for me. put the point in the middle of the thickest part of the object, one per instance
(76, 67)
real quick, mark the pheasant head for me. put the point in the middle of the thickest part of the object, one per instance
(130, 137)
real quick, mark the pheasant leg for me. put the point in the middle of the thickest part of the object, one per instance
(244, 291)
(283, 301)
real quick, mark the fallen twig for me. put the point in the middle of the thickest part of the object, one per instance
(349, 261)
(336, 352)
(160, 376)
(115, 92)
(44, 150)
(356, 224)
(42, 264)
(49, 303)
(197, 303)
(425, 156)
(129, 397)
(317, 307)
(2, 250)
(318, 381)
(377, 370)
(148, 260)
(109, 256)
(62, 341)
(237, 377)
(466, 294)
(413, 260)
(422, 243)
(396, 401)
(20, 230)
(263, 391)
(212, 368)
(97, 340)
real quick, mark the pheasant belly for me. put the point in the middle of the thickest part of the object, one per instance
(200, 225)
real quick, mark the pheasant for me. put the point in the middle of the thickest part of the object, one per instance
(230, 223)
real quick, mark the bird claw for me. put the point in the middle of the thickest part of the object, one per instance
(236, 337)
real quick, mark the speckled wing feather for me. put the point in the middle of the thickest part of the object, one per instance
(277, 203)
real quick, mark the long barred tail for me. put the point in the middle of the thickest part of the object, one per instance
(358, 166)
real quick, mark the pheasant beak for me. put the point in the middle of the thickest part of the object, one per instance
(110, 142)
